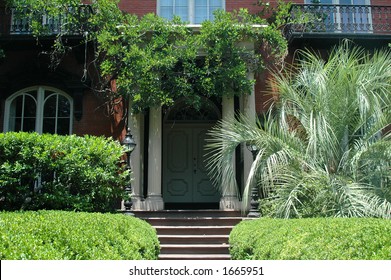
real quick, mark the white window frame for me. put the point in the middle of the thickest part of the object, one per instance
(40, 102)
(191, 10)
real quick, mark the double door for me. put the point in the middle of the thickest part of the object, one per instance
(185, 178)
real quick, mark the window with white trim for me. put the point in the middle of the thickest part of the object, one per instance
(193, 11)
(40, 109)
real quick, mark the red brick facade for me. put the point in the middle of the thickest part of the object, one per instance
(138, 7)
(250, 5)
(95, 120)
(21, 65)
(380, 2)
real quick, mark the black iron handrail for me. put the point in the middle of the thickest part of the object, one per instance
(310, 18)
(18, 21)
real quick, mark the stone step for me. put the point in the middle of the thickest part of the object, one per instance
(193, 221)
(194, 249)
(186, 213)
(192, 234)
(194, 257)
(193, 239)
(193, 230)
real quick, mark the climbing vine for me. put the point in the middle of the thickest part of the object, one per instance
(153, 61)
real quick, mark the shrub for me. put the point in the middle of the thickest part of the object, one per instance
(59, 172)
(60, 235)
(316, 239)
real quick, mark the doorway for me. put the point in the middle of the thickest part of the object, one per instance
(186, 184)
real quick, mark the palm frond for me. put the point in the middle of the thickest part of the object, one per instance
(322, 151)
(357, 200)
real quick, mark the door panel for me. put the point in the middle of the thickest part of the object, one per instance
(185, 176)
(204, 191)
(178, 143)
(177, 163)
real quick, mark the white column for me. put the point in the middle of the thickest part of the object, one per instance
(136, 125)
(248, 109)
(229, 199)
(154, 200)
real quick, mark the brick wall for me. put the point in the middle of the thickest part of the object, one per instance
(138, 7)
(381, 2)
(94, 120)
(141, 7)
(232, 5)
(25, 68)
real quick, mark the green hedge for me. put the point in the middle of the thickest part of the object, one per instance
(60, 235)
(312, 239)
(60, 172)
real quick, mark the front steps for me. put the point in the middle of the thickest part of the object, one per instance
(192, 234)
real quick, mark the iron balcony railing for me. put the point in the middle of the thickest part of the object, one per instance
(19, 21)
(311, 18)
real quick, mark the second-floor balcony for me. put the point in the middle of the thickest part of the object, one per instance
(18, 22)
(328, 20)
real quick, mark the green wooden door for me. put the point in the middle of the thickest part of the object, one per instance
(185, 178)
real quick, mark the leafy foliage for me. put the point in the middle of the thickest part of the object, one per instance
(312, 239)
(59, 172)
(154, 61)
(274, 43)
(57, 235)
(321, 148)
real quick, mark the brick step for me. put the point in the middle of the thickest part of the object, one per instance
(194, 257)
(194, 249)
(193, 230)
(193, 239)
(193, 221)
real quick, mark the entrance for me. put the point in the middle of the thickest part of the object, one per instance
(186, 184)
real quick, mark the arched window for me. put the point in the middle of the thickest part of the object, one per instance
(41, 109)
(183, 112)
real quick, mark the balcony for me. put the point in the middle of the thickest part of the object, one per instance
(15, 24)
(319, 21)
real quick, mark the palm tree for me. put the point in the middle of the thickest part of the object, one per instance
(323, 147)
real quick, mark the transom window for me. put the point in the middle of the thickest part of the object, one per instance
(182, 112)
(193, 11)
(40, 109)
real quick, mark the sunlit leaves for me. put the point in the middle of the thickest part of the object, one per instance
(323, 147)
(156, 61)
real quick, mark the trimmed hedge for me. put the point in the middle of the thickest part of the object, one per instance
(60, 235)
(60, 172)
(312, 239)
